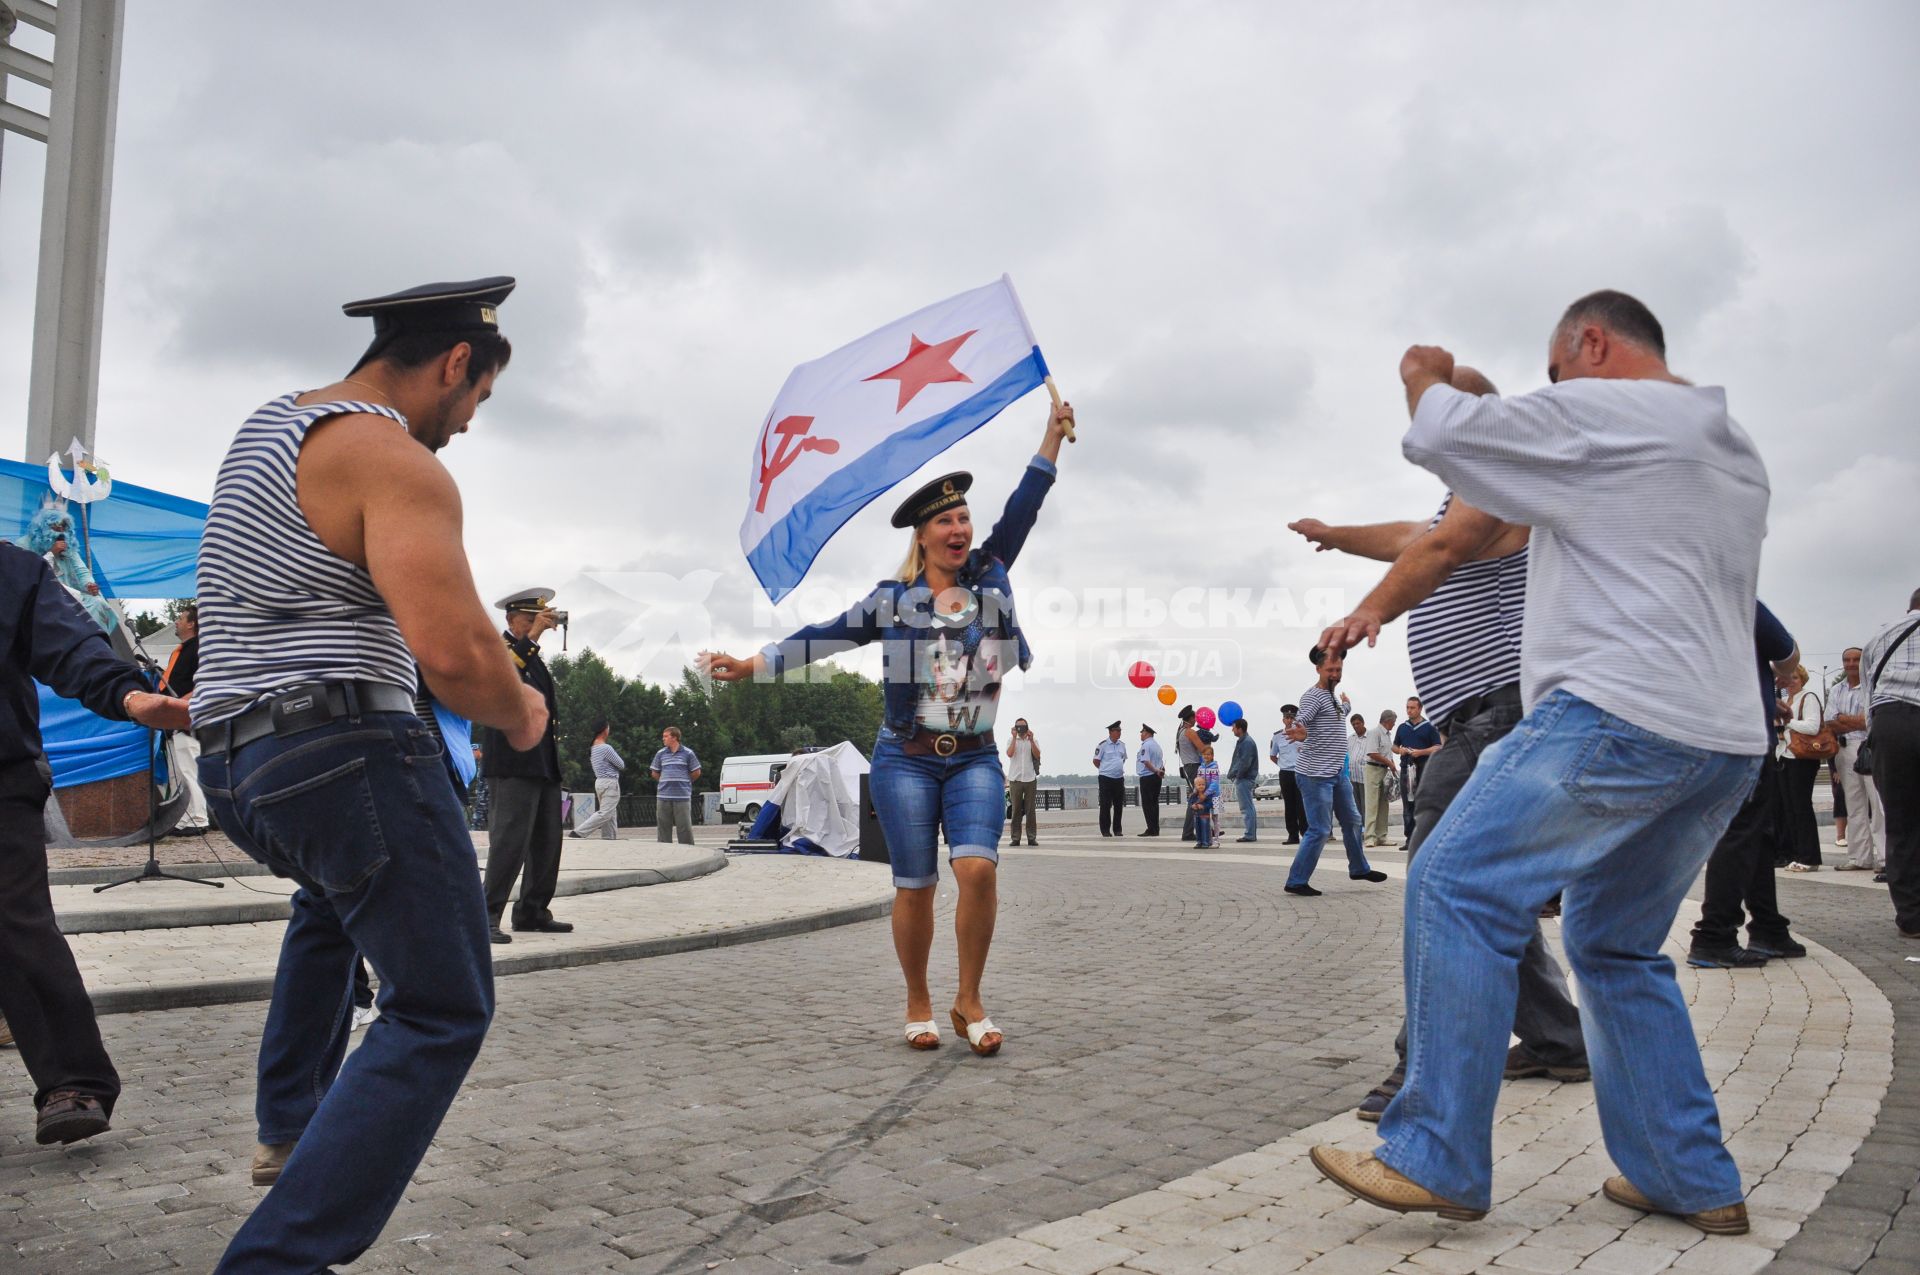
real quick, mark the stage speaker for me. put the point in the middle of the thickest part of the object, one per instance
(873, 842)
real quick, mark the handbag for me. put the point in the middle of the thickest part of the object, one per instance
(1863, 756)
(1815, 747)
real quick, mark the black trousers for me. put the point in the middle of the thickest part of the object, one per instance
(1290, 798)
(1740, 880)
(45, 1002)
(1113, 797)
(1801, 829)
(523, 830)
(1150, 803)
(1896, 773)
(1187, 773)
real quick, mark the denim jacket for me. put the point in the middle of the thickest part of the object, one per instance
(897, 614)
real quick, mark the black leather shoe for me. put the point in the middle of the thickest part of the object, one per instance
(1304, 891)
(498, 935)
(68, 1116)
(1291, 841)
(1240, 841)
(1375, 876)
(1729, 958)
(1522, 1065)
(545, 927)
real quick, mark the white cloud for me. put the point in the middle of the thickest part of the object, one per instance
(1226, 221)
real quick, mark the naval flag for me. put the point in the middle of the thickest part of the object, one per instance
(853, 423)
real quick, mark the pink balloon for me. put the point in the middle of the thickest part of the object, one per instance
(1203, 718)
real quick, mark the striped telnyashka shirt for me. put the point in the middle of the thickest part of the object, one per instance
(1325, 747)
(277, 607)
(1465, 639)
(1648, 504)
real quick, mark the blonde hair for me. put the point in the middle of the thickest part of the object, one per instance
(1800, 671)
(915, 561)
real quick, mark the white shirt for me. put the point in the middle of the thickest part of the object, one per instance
(1809, 712)
(1648, 504)
(1900, 680)
(1285, 753)
(1379, 740)
(1357, 750)
(1850, 701)
(1021, 768)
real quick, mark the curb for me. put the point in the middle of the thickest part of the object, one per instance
(235, 990)
(278, 908)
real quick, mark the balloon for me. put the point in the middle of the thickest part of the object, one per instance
(1230, 713)
(1168, 695)
(1203, 718)
(1141, 675)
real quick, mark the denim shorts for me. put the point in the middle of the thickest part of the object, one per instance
(915, 796)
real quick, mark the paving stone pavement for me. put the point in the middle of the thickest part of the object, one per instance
(749, 1109)
(756, 895)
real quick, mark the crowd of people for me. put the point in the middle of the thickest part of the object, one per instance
(1547, 755)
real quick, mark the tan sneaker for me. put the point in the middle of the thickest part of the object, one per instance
(1730, 1220)
(1364, 1177)
(268, 1160)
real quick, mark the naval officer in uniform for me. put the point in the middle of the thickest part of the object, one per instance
(1110, 759)
(523, 819)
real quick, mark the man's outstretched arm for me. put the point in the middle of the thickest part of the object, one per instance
(1381, 541)
(1464, 535)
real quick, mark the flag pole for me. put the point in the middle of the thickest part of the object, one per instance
(1033, 341)
(1059, 402)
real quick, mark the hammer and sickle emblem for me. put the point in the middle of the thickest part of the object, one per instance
(793, 442)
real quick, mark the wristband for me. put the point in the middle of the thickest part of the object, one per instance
(123, 702)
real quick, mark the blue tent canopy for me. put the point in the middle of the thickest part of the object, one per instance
(142, 543)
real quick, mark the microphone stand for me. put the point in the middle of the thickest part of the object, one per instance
(151, 870)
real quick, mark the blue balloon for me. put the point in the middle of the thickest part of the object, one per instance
(1230, 713)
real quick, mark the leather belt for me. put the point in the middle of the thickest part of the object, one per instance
(302, 708)
(929, 743)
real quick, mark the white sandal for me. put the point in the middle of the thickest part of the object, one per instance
(917, 1030)
(976, 1032)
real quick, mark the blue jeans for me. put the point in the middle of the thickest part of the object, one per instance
(915, 796)
(1243, 790)
(1325, 799)
(1574, 800)
(361, 815)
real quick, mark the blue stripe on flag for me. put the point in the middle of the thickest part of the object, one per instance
(786, 553)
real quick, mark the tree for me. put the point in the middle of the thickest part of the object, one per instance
(146, 624)
(718, 719)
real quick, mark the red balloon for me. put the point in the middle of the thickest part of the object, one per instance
(1141, 675)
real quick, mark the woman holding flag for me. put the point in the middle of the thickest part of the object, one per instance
(946, 623)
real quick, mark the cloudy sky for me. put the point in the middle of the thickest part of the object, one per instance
(1226, 222)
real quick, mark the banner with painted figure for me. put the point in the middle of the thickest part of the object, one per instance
(851, 424)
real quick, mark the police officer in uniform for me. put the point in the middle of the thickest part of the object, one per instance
(44, 634)
(523, 817)
(1110, 759)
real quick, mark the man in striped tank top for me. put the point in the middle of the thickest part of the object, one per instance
(1647, 505)
(331, 565)
(1460, 578)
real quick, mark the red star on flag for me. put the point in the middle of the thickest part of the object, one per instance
(925, 365)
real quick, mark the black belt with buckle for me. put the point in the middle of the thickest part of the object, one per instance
(302, 708)
(933, 743)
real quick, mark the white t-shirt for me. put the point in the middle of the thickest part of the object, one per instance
(1020, 767)
(1648, 504)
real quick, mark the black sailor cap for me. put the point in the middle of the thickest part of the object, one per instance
(472, 306)
(941, 494)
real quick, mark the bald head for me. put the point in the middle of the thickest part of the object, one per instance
(1470, 380)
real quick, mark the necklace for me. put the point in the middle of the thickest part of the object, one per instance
(348, 380)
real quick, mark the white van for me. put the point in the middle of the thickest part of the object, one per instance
(746, 781)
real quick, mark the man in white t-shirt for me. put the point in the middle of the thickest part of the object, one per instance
(1647, 504)
(1023, 782)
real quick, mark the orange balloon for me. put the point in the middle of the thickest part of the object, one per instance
(1168, 695)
